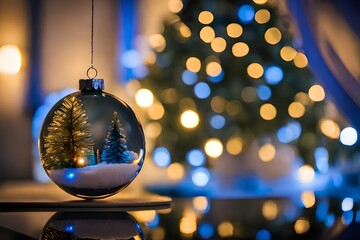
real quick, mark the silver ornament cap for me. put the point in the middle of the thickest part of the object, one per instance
(91, 84)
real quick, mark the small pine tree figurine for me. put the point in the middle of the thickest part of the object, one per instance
(115, 149)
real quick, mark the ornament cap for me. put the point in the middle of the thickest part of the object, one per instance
(91, 84)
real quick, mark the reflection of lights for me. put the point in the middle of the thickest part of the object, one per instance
(217, 122)
(270, 210)
(301, 226)
(255, 70)
(268, 111)
(206, 17)
(189, 119)
(201, 204)
(234, 30)
(175, 171)
(175, 6)
(70, 175)
(273, 75)
(287, 53)
(202, 90)
(153, 129)
(200, 177)
(69, 228)
(264, 92)
(322, 159)
(206, 230)
(213, 69)
(316, 93)
(296, 110)
(263, 234)
(300, 60)
(218, 44)
(348, 136)
(185, 31)
(347, 204)
(248, 94)
(272, 36)
(161, 157)
(144, 97)
(306, 174)
(330, 128)
(246, 13)
(213, 147)
(233, 108)
(195, 157)
(267, 152)
(157, 42)
(308, 199)
(234, 146)
(156, 111)
(240, 49)
(193, 64)
(189, 78)
(262, 16)
(207, 34)
(225, 229)
(187, 225)
(218, 104)
(10, 59)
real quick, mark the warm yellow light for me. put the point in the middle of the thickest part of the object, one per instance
(316, 93)
(218, 44)
(268, 111)
(206, 17)
(240, 49)
(169, 95)
(296, 110)
(300, 60)
(187, 225)
(187, 103)
(207, 34)
(267, 152)
(158, 233)
(133, 86)
(10, 59)
(330, 128)
(287, 53)
(234, 146)
(193, 64)
(272, 36)
(270, 210)
(157, 42)
(153, 129)
(150, 58)
(260, 2)
(213, 69)
(144, 98)
(189, 119)
(80, 162)
(200, 203)
(233, 108)
(213, 147)
(306, 174)
(234, 30)
(156, 111)
(145, 216)
(308, 199)
(225, 229)
(218, 104)
(262, 16)
(185, 31)
(255, 70)
(175, 6)
(301, 226)
(303, 98)
(175, 171)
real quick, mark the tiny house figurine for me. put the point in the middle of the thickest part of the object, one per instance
(91, 143)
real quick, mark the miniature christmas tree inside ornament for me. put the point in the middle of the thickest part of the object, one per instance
(91, 143)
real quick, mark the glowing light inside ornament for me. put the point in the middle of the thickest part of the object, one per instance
(10, 59)
(175, 171)
(217, 122)
(255, 70)
(201, 204)
(316, 93)
(268, 111)
(289, 132)
(225, 229)
(263, 234)
(264, 92)
(196, 157)
(189, 78)
(302, 226)
(272, 36)
(322, 159)
(287, 53)
(206, 230)
(296, 110)
(202, 90)
(161, 157)
(300, 60)
(200, 177)
(213, 147)
(308, 199)
(246, 13)
(240, 49)
(347, 204)
(330, 128)
(262, 16)
(207, 34)
(234, 146)
(218, 44)
(144, 98)
(189, 119)
(157, 42)
(193, 64)
(273, 75)
(234, 30)
(306, 174)
(270, 210)
(267, 152)
(206, 17)
(175, 6)
(348, 136)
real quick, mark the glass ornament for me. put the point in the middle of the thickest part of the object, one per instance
(91, 143)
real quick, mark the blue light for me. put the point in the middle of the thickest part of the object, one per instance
(264, 92)
(154, 223)
(217, 121)
(217, 78)
(189, 78)
(206, 230)
(161, 157)
(200, 177)
(289, 132)
(246, 13)
(322, 159)
(322, 210)
(202, 90)
(263, 234)
(348, 217)
(70, 175)
(347, 204)
(330, 220)
(69, 228)
(140, 71)
(195, 157)
(357, 218)
(273, 75)
(131, 59)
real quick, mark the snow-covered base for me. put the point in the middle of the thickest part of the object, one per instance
(100, 176)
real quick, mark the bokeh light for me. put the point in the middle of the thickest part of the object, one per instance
(348, 136)
(213, 147)
(234, 146)
(233, 108)
(330, 128)
(296, 110)
(217, 121)
(267, 152)
(300, 60)
(306, 174)
(240, 49)
(201, 204)
(270, 210)
(287, 53)
(175, 6)
(316, 93)
(10, 59)
(202, 90)
(156, 111)
(234, 30)
(207, 34)
(322, 159)
(144, 98)
(170, 95)
(195, 157)
(193, 64)
(161, 157)
(157, 42)
(206, 17)
(189, 119)
(249, 94)
(213, 69)
(262, 16)
(206, 230)
(301, 226)
(289, 132)
(187, 225)
(263, 234)
(200, 176)
(272, 36)
(184, 30)
(153, 130)
(225, 229)
(246, 13)
(273, 75)
(131, 59)
(303, 98)
(347, 204)
(268, 111)
(189, 78)
(255, 70)
(218, 104)
(264, 92)
(308, 199)
(218, 44)
(260, 2)
(175, 171)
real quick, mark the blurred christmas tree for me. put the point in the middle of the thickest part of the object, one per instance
(226, 74)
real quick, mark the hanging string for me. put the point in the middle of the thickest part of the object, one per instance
(91, 69)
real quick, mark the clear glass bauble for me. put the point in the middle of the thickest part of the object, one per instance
(91, 143)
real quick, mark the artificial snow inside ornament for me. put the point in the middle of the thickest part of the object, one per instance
(91, 143)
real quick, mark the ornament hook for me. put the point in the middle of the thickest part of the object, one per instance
(91, 71)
